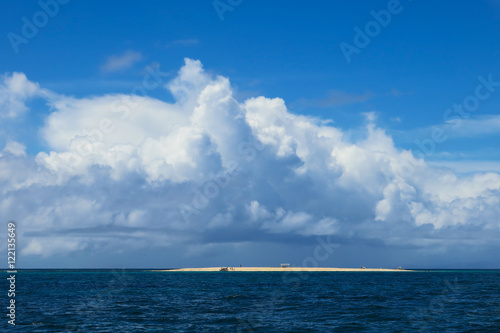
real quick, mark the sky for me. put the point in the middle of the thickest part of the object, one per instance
(234, 132)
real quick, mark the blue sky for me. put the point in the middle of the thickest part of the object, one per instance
(390, 98)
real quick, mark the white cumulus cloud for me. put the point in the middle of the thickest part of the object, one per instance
(15, 90)
(123, 172)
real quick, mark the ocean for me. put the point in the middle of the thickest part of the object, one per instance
(149, 301)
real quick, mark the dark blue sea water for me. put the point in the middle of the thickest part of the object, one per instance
(146, 301)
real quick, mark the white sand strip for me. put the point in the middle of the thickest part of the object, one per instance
(280, 269)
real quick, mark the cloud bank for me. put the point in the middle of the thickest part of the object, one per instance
(210, 177)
